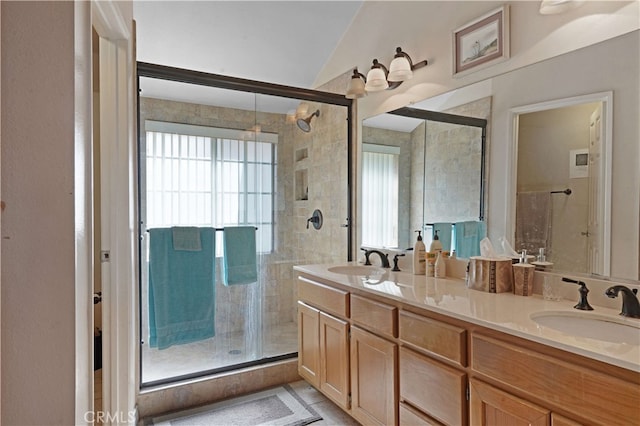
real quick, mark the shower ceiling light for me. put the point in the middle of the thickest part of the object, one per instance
(380, 78)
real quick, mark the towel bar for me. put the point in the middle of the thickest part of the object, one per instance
(217, 229)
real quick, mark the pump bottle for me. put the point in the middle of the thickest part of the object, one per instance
(436, 245)
(419, 261)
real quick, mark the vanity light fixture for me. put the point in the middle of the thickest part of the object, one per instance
(377, 78)
(402, 67)
(380, 78)
(356, 85)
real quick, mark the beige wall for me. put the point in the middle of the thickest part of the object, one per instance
(38, 265)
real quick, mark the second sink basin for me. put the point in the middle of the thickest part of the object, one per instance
(593, 326)
(358, 270)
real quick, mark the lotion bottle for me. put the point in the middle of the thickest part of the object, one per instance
(441, 267)
(419, 261)
(436, 245)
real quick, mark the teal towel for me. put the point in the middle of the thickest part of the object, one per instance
(240, 255)
(186, 238)
(181, 289)
(468, 237)
(444, 234)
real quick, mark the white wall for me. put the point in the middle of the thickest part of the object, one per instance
(38, 270)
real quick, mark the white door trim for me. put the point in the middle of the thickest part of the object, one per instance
(118, 222)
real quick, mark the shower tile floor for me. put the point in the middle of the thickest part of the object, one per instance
(220, 351)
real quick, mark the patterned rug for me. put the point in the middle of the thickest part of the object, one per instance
(280, 406)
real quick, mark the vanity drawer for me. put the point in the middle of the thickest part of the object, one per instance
(559, 382)
(328, 299)
(410, 416)
(434, 336)
(374, 316)
(435, 388)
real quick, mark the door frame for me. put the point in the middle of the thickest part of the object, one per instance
(117, 192)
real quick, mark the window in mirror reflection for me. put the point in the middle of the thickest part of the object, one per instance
(380, 194)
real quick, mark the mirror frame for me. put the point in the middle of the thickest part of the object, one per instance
(607, 112)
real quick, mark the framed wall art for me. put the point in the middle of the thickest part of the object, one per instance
(481, 42)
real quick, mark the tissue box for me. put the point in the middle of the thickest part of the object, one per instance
(494, 275)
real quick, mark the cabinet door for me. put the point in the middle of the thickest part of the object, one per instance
(334, 359)
(309, 344)
(493, 407)
(374, 384)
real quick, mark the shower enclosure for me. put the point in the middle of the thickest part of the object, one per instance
(216, 152)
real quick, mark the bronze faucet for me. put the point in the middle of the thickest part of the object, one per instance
(384, 258)
(630, 305)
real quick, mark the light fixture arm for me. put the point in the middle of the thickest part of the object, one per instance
(358, 74)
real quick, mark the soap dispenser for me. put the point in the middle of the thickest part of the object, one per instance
(436, 245)
(523, 276)
(419, 261)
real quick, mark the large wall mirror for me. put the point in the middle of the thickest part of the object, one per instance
(422, 170)
(563, 182)
(551, 127)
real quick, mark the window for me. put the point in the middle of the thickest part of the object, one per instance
(380, 195)
(205, 176)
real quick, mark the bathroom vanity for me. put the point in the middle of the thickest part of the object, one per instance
(395, 348)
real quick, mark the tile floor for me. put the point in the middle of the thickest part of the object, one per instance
(219, 351)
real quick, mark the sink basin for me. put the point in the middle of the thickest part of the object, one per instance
(357, 270)
(593, 326)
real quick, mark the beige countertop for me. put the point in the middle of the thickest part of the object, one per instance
(503, 312)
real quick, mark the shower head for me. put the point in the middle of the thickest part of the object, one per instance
(305, 123)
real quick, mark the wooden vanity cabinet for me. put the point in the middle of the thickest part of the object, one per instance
(405, 366)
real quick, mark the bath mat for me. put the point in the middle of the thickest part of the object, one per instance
(279, 406)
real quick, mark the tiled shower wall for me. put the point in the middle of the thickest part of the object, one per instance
(451, 184)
